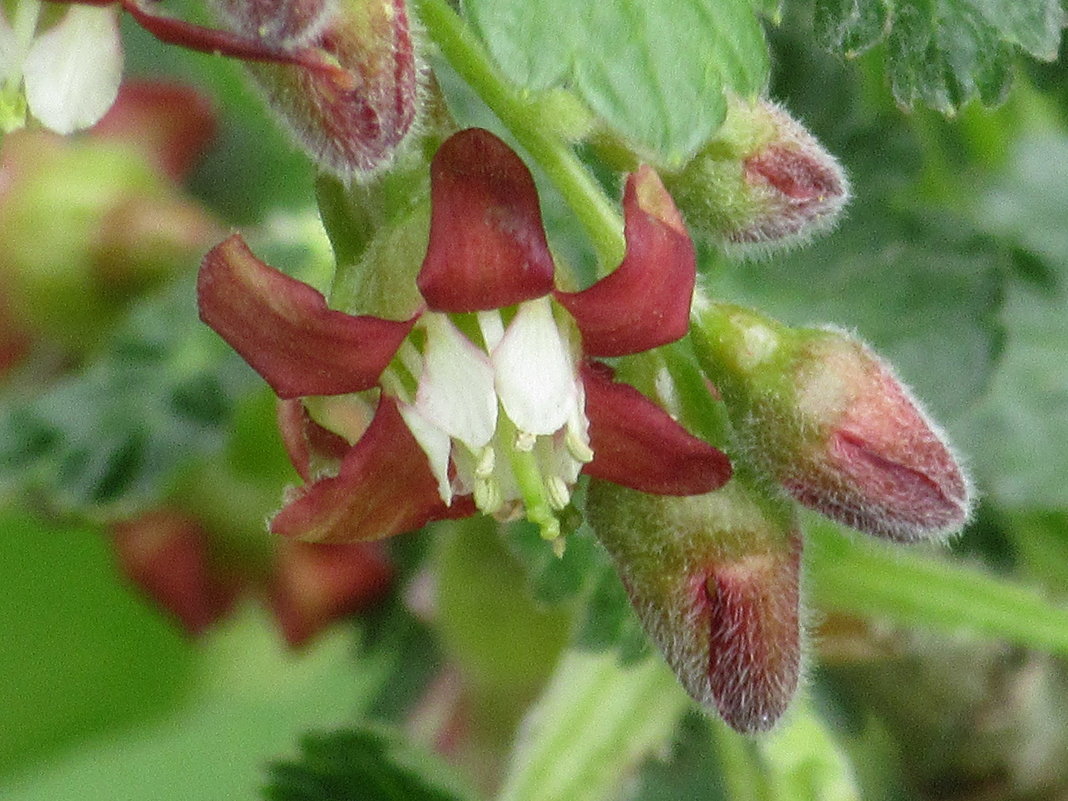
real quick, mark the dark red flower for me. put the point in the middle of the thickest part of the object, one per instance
(487, 392)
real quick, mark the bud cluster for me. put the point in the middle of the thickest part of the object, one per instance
(816, 419)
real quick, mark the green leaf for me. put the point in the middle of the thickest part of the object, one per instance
(594, 723)
(692, 770)
(553, 579)
(653, 70)
(251, 700)
(914, 587)
(943, 53)
(110, 434)
(804, 763)
(500, 637)
(943, 58)
(371, 763)
(850, 26)
(1034, 25)
(923, 293)
(1020, 428)
(772, 9)
(82, 656)
(1041, 543)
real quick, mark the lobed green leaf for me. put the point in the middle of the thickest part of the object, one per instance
(943, 53)
(371, 763)
(654, 70)
(109, 435)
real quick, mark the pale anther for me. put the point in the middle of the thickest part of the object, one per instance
(524, 441)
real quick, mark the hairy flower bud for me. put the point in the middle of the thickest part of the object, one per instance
(350, 121)
(714, 580)
(828, 419)
(763, 183)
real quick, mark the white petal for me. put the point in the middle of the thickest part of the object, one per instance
(9, 48)
(456, 387)
(492, 327)
(435, 444)
(536, 379)
(72, 71)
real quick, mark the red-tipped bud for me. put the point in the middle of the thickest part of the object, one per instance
(824, 415)
(762, 184)
(168, 556)
(350, 120)
(714, 580)
(314, 585)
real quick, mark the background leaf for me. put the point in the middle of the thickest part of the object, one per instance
(594, 723)
(943, 53)
(82, 657)
(364, 764)
(107, 436)
(653, 70)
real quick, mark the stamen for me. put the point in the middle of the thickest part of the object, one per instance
(487, 495)
(559, 494)
(487, 462)
(577, 446)
(524, 441)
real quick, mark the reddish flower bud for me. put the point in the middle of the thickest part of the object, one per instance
(313, 585)
(714, 580)
(350, 120)
(171, 124)
(824, 415)
(763, 183)
(92, 221)
(167, 554)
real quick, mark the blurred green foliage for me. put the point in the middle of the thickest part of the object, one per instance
(953, 261)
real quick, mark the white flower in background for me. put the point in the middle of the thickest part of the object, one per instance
(67, 75)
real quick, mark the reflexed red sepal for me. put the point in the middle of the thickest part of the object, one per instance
(172, 30)
(636, 444)
(283, 328)
(313, 585)
(384, 487)
(645, 302)
(303, 438)
(487, 244)
(755, 645)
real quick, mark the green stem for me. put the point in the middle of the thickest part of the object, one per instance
(740, 768)
(523, 116)
(595, 722)
(917, 588)
(698, 409)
